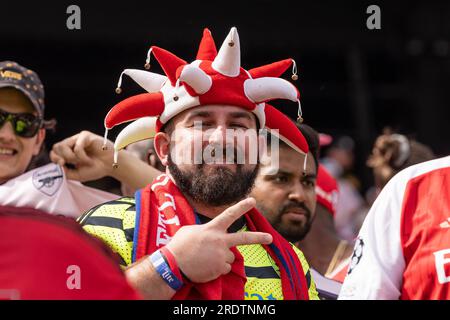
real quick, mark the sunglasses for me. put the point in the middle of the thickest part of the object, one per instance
(25, 125)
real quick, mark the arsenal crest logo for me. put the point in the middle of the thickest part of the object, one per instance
(48, 180)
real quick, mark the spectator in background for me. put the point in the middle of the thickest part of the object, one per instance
(351, 209)
(393, 152)
(287, 198)
(284, 192)
(22, 127)
(22, 135)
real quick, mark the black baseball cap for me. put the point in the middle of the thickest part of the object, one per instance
(13, 75)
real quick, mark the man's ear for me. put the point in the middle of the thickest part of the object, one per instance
(162, 146)
(40, 137)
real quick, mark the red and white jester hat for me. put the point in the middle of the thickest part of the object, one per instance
(213, 78)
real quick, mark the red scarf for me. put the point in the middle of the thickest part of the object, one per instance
(161, 210)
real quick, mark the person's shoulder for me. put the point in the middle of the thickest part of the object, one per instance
(397, 187)
(301, 257)
(110, 211)
(421, 169)
(312, 291)
(51, 231)
(297, 250)
(113, 223)
(48, 243)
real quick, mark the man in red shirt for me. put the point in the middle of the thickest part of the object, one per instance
(403, 248)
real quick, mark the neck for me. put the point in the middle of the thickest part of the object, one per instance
(206, 210)
(320, 243)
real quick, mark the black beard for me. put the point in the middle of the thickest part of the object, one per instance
(222, 187)
(292, 233)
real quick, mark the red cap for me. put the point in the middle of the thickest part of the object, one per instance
(325, 139)
(326, 190)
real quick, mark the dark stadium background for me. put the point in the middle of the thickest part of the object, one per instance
(353, 81)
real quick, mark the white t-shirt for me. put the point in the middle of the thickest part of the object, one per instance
(46, 188)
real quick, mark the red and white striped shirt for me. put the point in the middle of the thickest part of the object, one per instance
(403, 248)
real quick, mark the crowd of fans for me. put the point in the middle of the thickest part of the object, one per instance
(295, 228)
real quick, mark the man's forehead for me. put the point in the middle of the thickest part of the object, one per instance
(218, 110)
(290, 162)
(11, 92)
(11, 98)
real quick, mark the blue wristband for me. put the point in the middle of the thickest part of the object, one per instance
(163, 268)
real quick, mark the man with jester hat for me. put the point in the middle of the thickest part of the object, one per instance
(193, 233)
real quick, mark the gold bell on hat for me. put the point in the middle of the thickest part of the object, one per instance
(294, 71)
(299, 112)
(177, 86)
(231, 43)
(147, 61)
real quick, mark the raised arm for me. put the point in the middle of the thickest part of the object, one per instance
(83, 159)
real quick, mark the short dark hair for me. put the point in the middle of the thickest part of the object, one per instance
(168, 127)
(311, 137)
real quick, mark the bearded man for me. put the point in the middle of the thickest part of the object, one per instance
(193, 233)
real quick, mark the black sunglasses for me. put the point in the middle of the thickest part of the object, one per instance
(24, 124)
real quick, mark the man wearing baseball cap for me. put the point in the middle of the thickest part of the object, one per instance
(22, 126)
(23, 181)
(29, 236)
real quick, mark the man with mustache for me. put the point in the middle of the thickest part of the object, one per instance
(217, 259)
(286, 195)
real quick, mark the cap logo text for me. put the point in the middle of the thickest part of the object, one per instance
(10, 74)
